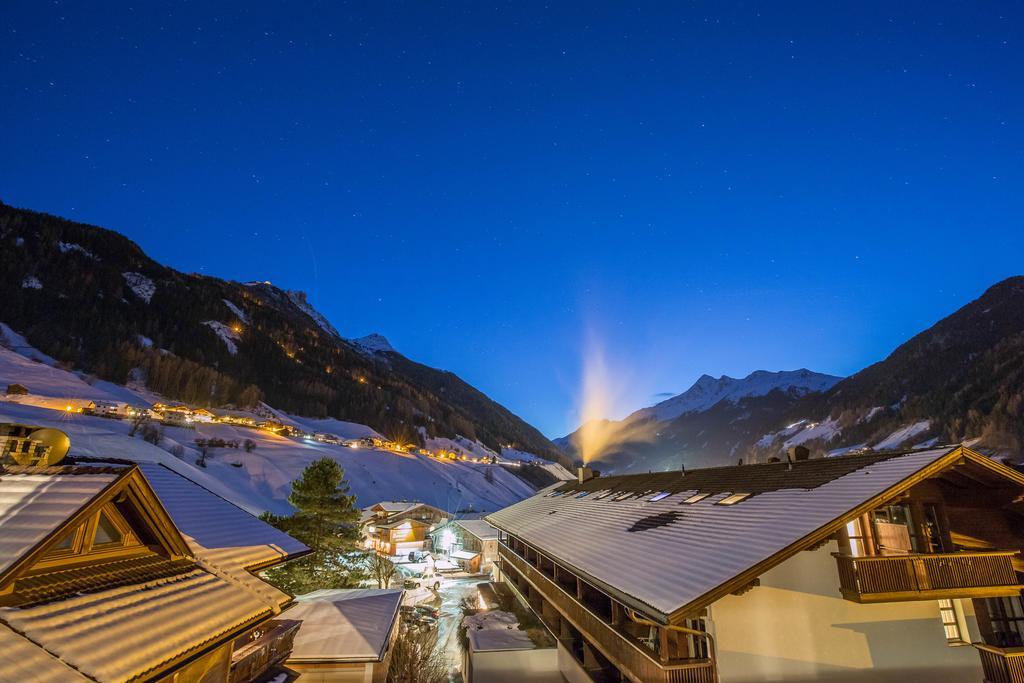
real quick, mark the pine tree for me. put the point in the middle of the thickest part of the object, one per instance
(327, 520)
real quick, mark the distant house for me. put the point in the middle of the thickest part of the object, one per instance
(470, 543)
(398, 527)
(16, 390)
(111, 409)
(345, 635)
(101, 581)
(325, 437)
(173, 415)
(880, 567)
(202, 415)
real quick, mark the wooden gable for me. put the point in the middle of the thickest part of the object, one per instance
(122, 535)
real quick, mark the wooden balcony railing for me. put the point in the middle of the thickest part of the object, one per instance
(270, 647)
(1002, 665)
(630, 657)
(894, 578)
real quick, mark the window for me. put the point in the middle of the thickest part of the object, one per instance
(894, 530)
(623, 496)
(733, 498)
(659, 496)
(952, 618)
(696, 498)
(106, 532)
(1006, 619)
(582, 494)
(858, 541)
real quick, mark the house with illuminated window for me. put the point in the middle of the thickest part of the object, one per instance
(875, 567)
(397, 528)
(472, 544)
(114, 571)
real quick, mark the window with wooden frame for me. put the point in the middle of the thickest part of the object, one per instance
(1006, 621)
(953, 623)
(105, 533)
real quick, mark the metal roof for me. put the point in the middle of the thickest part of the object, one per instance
(211, 523)
(344, 625)
(662, 555)
(478, 528)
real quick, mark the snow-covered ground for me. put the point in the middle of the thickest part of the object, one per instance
(256, 481)
(226, 334)
(902, 435)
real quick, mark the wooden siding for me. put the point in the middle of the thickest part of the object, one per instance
(254, 658)
(892, 578)
(1002, 665)
(621, 651)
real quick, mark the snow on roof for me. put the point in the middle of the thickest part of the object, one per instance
(709, 544)
(479, 528)
(496, 630)
(32, 506)
(463, 555)
(393, 506)
(26, 662)
(344, 625)
(126, 632)
(216, 527)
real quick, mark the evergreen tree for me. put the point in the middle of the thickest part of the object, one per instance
(327, 520)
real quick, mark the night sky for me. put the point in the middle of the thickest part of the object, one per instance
(696, 189)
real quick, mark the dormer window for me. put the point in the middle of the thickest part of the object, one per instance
(104, 532)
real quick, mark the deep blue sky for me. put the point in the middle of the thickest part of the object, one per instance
(701, 189)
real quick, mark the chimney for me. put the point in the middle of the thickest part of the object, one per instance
(797, 453)
(584, 473)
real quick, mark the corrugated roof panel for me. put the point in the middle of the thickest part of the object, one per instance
(122, 633)
(26, 662)
(669, 565)
(212, 523)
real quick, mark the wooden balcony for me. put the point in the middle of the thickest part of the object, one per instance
(1002, 665)
(263, 648)
(898, 578)
(639, 663)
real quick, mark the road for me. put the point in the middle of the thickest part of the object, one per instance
(451, 617)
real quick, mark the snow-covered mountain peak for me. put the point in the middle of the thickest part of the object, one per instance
(373, 343)
(708, 391)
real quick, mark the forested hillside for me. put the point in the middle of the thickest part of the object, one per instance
(91, 298)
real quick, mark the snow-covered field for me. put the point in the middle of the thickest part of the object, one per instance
(256, 481)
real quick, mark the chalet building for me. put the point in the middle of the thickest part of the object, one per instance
(471, 543)
(16, 390)
(345, 635)
(120, 572)
(399, 527)
(880, 567)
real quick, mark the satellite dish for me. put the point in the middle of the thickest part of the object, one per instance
(50, 447)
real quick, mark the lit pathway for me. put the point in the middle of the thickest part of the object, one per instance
(448, 625)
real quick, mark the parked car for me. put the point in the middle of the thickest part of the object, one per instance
(428, 579)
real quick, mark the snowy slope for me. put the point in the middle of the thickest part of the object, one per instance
(708, 391)
(259, 480)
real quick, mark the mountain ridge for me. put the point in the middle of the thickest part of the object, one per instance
(212, 341)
